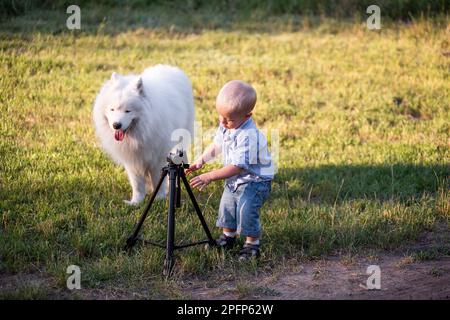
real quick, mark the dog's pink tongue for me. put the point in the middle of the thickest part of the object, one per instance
(119, 135)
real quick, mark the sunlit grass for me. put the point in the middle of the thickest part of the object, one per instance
(363, 120)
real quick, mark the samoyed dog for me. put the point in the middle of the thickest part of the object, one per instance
(139, 119)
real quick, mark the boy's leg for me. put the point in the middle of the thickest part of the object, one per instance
(227, 220)
(229, 232)
(252, 240)
(252, 197)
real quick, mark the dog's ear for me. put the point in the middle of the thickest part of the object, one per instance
(115, 76)
(139, 86)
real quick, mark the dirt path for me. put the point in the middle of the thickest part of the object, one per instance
(420, 270)
(331, 278)
(400, 278)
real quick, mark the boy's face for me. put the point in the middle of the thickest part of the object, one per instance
(231, 120)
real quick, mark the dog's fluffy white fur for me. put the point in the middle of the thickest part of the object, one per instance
(135, 116)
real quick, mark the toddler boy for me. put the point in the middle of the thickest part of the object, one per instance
(248, 169)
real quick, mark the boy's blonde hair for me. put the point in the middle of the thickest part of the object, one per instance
(237, 96)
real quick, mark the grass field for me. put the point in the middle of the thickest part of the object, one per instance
(363, 120)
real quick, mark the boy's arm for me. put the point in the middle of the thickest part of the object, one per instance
(203, 180)
(223, 173)
(210, 153)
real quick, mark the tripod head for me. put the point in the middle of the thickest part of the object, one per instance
(179, 158)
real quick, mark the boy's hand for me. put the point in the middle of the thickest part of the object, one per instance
(194, 167)
(200, 181)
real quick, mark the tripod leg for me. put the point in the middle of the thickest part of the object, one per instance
(131, 241)
(212, 242)
(178, 198)
(168, 263)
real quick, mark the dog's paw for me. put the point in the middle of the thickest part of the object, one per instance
(160, 196)
(131, 202)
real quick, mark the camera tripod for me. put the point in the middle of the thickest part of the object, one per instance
(175, 170)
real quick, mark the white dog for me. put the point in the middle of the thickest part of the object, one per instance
(135, 118)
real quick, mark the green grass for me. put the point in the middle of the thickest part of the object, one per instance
(363, 120)
(30, 292)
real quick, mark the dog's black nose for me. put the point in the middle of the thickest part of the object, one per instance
(117, 125)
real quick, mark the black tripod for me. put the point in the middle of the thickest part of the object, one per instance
(175, 170)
